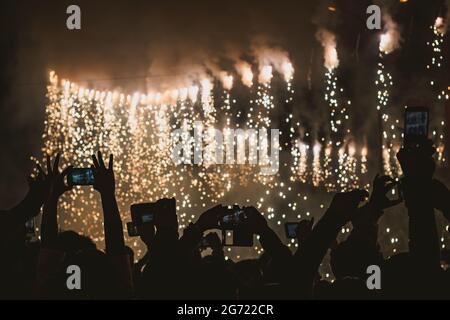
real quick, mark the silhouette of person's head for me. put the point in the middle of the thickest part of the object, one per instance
(71, 242)
(97, 280)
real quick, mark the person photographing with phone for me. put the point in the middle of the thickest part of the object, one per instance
(422, 195)
(105, 275)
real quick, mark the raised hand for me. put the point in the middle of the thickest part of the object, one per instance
(418, 167)
(344, 205)
(166, 217)
(147, 234)
(304, 229)
(42, 187)
(104, 181)
(49, 223)
(417, 189)
(381, 186)
(57, 178)
(256, 220)
(210, 218)
(418, 164)
(39, 189)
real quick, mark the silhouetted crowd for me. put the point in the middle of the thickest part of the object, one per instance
(174, 268)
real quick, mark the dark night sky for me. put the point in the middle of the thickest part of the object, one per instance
(131, 39)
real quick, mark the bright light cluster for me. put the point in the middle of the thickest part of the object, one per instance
(434, 68)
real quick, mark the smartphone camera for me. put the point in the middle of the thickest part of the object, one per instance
(291, 229)
(416, 126)
(148, 217)
(142, 213)
(30, 228)
(230, 221)
(236, 223)
(132, 229)
(80, 177)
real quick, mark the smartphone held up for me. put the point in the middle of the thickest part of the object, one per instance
(290, 229)
(235, 228)
(80, 177)
(416, 127)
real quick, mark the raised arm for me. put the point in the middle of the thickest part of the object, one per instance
(104, 183)
(12, 237)
(269, 240)
(365, 223)
(194, 232)
(343, 207)
(49, 223)
(417, 185)
(31, 204)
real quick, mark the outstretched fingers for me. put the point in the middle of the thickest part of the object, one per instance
(56, 163)
(49, 165)
(100, 160)
(110, 165)
(99, 163)
(96, 165)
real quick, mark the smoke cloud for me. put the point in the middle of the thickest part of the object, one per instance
(244, 69)
(391, 38)
(328, 41)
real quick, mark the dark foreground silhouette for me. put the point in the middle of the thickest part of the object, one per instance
(173, 267)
